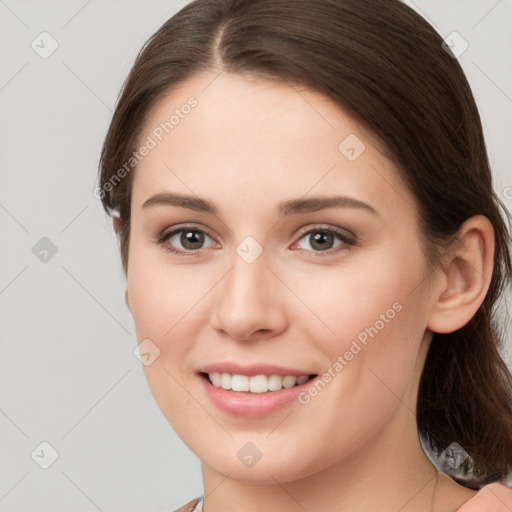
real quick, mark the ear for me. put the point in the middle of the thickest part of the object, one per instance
(466, 278)
(126, 299)
(116, 222)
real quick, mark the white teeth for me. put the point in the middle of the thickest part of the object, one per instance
(289, 381)
(256, 383)
(216, 379)
(302, 379)
(275, 383)
(239, 382)
(225, 381)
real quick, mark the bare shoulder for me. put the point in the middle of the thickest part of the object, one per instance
(450, 495)
(494, 497)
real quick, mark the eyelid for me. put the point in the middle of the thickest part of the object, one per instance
(327, 227)
(347, 241)
(166, 233)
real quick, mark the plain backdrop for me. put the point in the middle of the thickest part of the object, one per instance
(68, 376)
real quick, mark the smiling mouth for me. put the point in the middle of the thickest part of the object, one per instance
(255, 384)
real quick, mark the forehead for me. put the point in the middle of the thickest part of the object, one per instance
(242, 138)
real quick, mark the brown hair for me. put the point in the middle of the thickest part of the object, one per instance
(386, 66)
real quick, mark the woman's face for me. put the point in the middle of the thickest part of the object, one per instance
(273, 281)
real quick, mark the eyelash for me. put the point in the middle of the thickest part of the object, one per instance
(347, 242)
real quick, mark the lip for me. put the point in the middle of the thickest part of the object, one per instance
(252, 369)
(251, 405)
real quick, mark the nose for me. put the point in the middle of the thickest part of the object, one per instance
(250, 300)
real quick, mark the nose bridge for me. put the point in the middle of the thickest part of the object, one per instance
(247, 282)
(246, 301)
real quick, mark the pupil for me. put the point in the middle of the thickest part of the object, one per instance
(318, 237)
(192, 237)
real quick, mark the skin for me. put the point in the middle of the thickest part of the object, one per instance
(491, 498)
(248, 145)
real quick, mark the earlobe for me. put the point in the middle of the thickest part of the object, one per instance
(467, 277)
(116, 222)
(126, 299)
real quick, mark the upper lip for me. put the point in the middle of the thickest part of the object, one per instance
(251, 369)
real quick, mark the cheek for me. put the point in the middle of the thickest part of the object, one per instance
(162, 297)
(357, 301)
(367, 322)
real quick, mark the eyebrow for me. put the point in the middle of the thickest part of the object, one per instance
(290, 207)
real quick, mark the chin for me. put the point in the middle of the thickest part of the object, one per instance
(267, 470)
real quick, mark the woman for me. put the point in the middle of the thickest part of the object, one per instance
(313, 252)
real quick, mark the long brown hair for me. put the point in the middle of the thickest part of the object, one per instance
(387, 67)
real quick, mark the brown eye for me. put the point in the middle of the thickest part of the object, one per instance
(191, 239)
(323, 240)
(184, 240)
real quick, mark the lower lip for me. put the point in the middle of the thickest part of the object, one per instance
(251, 405)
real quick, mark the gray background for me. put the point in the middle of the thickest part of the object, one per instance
(68, 373)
